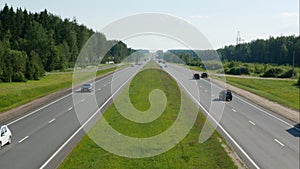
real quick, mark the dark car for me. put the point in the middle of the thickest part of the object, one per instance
(87, 87)
(225, 95)
(196, 76)
(204, 75)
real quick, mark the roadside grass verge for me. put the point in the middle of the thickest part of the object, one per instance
(189, 153)
(284, 92)
(15, 94)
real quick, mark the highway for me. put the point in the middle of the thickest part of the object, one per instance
(260, 137)
(42, 138)
(38, 136)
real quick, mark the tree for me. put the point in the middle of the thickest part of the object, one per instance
(45, 42)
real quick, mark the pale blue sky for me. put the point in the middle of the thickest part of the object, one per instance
(218, 20)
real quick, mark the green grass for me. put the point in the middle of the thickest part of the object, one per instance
(15, 94)
(284, 92)
(187, 154)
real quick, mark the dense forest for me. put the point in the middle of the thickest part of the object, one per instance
(272, 57)
(32, 43)
(277, 51)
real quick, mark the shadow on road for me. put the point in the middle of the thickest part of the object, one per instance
(295, 131)
(217, 100)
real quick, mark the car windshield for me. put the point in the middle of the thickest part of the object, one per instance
(87, 85)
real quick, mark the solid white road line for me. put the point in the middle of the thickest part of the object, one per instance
(69, 109)
(48, 105)
(23, 139)
(218, 124)
(290, 125)
(82, 126)
(252, 123)
(38, 109)
(82, 100)
(234, 110)
(279, 142)
(51, 121)
(281, 120)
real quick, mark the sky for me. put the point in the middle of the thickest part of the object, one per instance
(218, 20)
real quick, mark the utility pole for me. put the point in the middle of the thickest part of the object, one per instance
(238, 38)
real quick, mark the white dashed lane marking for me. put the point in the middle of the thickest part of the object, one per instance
(23, 139)
(252, 123)
(51, 121)
(279, 142)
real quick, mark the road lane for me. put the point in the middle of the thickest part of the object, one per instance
(37, 136)
(263, 141)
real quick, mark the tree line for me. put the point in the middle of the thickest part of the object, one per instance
(33, 43)
(188, 57)
(279, 51)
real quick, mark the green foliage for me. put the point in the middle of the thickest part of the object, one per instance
(192, 57)
(189, 153)
(257, 69)
(298, 82)
(282, 91)
(15, 94)
(278, 51)
(273, 72)
(32, 43)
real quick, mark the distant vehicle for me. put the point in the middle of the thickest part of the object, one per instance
(166, 66)
(204, 75)
(196, 76)
(225, 95)
(5, 137)
(87, 87)
(132, 65)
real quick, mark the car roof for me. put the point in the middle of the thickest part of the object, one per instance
(226, 90)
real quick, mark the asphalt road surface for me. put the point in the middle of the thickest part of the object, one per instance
(42, 138)
(262, 138)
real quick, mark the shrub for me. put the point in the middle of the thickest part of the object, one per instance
(19, 77)
(287, 74)
(273, 72)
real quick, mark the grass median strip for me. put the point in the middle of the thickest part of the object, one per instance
(15, 94)
(186, 154)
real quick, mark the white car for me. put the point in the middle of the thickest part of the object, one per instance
(5, 135)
